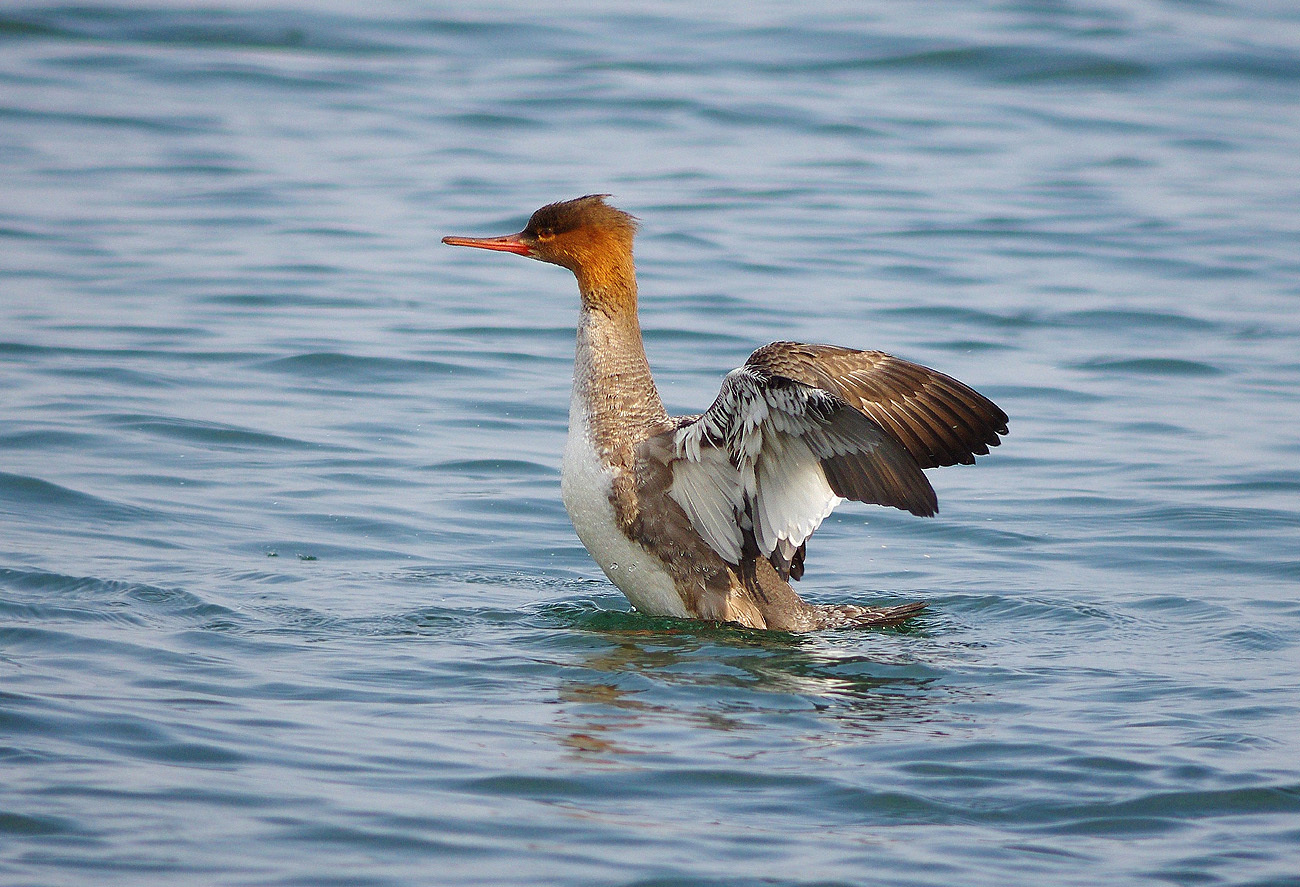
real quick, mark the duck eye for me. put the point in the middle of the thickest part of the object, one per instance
(545, 234)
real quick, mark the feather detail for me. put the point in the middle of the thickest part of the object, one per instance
(937, 419)
(773, 456)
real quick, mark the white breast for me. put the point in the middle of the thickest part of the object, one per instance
(585, 485)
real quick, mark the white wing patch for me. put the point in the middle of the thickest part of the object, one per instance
(753, 461)
(708, 490)
(794, 496)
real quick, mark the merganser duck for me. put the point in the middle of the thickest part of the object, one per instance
(708, 516)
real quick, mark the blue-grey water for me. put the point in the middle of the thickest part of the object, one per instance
(287, 594)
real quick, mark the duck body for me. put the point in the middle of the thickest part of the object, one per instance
(708, 516)
(598, 478)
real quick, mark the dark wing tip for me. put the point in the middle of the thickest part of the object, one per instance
(884, 473)
(937, 419)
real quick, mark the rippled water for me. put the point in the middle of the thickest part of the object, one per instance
(287, 595)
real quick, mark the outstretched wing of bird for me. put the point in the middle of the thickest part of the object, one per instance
(939, 420)
(799, 428)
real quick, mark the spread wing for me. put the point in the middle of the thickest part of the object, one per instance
(937, 419)
(799, 428)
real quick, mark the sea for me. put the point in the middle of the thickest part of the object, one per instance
(287, 592)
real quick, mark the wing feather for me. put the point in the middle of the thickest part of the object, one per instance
(773, 456)
(800, 428)
(708, 490)
(794, 497)
(939, 420)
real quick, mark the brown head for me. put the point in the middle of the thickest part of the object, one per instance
(587, 235)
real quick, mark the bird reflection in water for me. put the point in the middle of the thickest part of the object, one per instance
(661, 673)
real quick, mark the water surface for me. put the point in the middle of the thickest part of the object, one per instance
(287, 595)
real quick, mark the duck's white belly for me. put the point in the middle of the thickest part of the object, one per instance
(585, 484)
